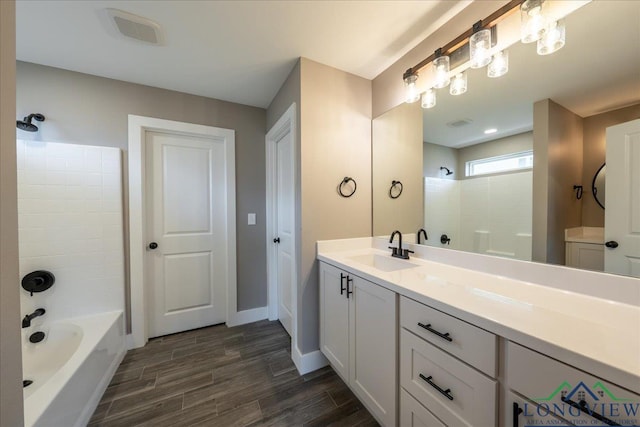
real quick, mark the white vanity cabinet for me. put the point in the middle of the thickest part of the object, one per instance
(358, 335)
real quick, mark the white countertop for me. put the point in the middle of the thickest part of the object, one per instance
(593, 235)
(599, 336)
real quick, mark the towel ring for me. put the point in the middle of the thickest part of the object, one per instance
(343, 183)
(395, 184)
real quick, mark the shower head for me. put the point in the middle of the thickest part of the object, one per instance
(26, 124)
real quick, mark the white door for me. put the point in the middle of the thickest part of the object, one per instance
(285, 199)
(186, 219)
(622, 205)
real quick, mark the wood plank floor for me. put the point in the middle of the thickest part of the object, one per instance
(221, 376)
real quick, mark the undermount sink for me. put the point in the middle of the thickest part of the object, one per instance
(382, 263)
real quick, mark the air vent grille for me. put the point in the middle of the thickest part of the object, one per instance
(459, 123)
(136, 27)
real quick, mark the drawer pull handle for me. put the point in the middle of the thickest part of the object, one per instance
(433, 331)
(342, 287)
(516, 413)
(437, 387)
(349, 280)
(582, 406)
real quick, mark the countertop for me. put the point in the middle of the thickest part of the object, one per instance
(599, 336)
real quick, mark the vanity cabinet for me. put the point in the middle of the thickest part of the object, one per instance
(358, 335)
(448, 366)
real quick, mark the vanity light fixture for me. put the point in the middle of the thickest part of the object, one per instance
(533, 20)
(459, 84)
(411, 91)
(429, 98)
(480, 46)
(552, 39)
(441, 69)
(490, 131)
(500, 65)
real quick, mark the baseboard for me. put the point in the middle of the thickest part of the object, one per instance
(247, 316)
(308, 362)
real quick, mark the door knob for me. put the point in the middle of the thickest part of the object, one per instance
(276, 240)
(611, 244)
(153, 245)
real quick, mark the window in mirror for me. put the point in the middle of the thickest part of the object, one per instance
(498, 164)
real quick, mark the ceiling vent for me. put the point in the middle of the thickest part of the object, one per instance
(459, 123)
(136, 27)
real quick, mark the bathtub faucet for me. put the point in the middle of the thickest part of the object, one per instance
(26, 322)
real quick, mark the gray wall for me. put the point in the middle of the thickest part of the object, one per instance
(86, 109)
(11, 403)
(435, 156)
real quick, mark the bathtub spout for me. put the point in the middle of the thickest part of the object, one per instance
(26, 322)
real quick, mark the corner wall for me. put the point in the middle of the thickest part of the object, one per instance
(11, 402)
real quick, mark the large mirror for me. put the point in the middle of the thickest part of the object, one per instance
(494, 169)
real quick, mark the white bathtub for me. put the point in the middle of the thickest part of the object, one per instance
(70, 368)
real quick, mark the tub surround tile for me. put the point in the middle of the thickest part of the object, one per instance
(224, 376)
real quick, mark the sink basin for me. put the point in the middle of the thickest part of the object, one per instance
(382, 263)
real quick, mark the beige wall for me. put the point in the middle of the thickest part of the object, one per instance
(335, 113)
(81, 108)
(435, 156)
(594, 156)
(557, 150)
(11, 413)
(397, 156)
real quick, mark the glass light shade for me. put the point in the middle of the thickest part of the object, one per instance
(552, 39)
(500, 64)
(429, 99)
(459, 84)
(441, 68)
(411, 91)
(533, 20)
(479, 46)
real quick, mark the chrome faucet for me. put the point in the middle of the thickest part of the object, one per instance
(26, 322)
(422, 231)
(398, 252)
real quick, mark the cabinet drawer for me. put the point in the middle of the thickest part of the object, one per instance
(413, 414)
(559, 387)
(454, 392)
(521, 412)
(473, 345)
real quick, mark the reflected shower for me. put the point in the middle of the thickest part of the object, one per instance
(26, 125)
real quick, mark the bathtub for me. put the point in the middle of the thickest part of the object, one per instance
(70, 368)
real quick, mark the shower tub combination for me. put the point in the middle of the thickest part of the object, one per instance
(71, 368)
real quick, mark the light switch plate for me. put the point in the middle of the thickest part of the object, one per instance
(251, 219)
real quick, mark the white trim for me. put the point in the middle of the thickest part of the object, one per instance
(247, 316)
(138, 126)
(285, 124)
(308, 362)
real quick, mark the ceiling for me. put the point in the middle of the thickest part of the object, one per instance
(596, 71)
(238, 51)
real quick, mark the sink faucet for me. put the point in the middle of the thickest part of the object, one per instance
(26, 322)
(398, 252)
(422, 231)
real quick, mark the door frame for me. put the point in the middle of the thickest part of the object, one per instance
(285, 124)
(138, 127)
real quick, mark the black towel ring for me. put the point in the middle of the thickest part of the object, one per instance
(344, 182)
(394, 184)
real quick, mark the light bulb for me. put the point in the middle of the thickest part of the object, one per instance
(459, 84)
(533, 20)
(500, 64)
(429, 99)
(479, 46)
(441, 67)
(552, 39)
(411, 91)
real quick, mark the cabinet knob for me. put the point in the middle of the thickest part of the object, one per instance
(276, 240)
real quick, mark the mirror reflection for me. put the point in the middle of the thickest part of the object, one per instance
(499, 162)
(598, 185)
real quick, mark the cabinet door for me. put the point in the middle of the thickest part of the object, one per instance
(334, 320)
(522, 413)
(373, 348)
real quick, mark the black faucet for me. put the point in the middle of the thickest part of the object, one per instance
(422, 231)
(399, 252)
(26, 322)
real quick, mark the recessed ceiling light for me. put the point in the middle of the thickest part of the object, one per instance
(492, 130)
